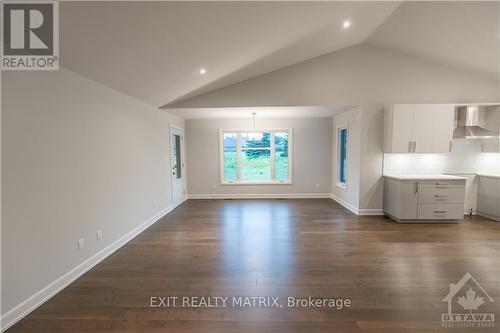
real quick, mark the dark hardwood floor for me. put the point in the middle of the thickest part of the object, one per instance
(395, 275)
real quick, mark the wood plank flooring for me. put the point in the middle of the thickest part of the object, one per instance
(395, 275)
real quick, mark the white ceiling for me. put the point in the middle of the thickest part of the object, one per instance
(154, 50)
(457, 33)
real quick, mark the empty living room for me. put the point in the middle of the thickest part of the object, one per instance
(250, 166)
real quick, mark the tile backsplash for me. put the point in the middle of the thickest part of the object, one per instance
(466, 157)
(489, 163)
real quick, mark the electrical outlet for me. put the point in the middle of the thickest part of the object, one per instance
(99, 234)
(81, 243)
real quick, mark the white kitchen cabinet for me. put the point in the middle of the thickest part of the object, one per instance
(488, 197)
(401, 124)
(424, 198)
(442, 128)
(400, 199)
(423, 120)
(418, 128)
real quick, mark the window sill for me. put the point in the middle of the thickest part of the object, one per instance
(255, 183)
(342, 186)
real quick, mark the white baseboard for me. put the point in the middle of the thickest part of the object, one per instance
(371, 212)
(24, 308)
(488, 216)
(344, 203)
(356, 210)
(261, 196)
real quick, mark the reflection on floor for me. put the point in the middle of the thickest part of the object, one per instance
(395, 275)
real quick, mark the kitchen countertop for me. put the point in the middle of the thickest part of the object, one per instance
(425, 177)
(488, 175)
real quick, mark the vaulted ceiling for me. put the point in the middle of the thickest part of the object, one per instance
(154, 50)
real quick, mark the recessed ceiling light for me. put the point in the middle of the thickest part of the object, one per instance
(346, 24)
(203, 71)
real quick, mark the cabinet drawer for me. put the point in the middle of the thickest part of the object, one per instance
(454, 195)
(441, 183)
(440, 211)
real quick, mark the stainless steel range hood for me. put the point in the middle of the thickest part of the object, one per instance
(470, 123)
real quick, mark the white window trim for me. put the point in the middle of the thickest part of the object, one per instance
(340, 185)
(238, 152)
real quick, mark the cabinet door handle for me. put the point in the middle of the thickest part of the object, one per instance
(440, 211)
(415, 187)
(414, 146)
(451, 146)
(409, 146)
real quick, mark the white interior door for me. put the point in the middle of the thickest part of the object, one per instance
(177, 164)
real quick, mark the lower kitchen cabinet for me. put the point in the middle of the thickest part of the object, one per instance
(488, 197)
(408, 199)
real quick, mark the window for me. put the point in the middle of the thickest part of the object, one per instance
(342, 141)
(255, 156)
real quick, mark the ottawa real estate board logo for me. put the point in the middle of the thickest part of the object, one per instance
(30, 32)
(468, 305)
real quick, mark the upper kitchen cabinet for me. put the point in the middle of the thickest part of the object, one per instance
(442, 129)
(423, 120)
(418, 128)
(398, 128)
(492, 123)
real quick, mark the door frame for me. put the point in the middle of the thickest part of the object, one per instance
(183, 172)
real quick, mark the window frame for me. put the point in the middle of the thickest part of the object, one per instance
(239, 182)
(338, 183)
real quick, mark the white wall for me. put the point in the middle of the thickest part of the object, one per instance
(349, 195)
(312, 140)
(76, 157)
(364, 75)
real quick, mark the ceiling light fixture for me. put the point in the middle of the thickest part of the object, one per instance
(346, 24)
(203, 71)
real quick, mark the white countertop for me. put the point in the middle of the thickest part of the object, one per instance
(488, 175)
(425, 177)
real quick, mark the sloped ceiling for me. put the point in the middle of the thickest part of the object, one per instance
(461, 34)
(153, 50)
